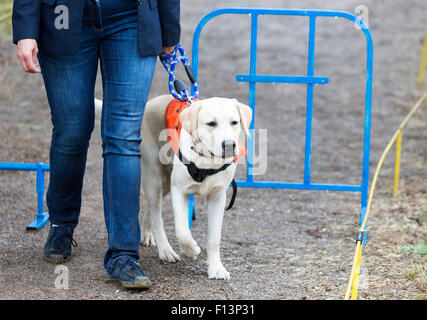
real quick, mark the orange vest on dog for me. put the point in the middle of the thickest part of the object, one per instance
(173, 110)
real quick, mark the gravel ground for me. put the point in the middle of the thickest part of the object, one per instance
(277, 244)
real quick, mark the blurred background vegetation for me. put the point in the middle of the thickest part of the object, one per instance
(5, 18)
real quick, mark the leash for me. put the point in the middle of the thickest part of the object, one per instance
(179, 91)
(177, 87)
(233, 196)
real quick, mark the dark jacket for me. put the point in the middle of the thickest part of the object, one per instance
(158, 25)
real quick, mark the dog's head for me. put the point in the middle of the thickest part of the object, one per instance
(216, 123)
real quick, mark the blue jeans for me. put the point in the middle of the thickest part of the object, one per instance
(109, 35)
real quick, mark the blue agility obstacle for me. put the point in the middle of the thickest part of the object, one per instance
(310, 80)
(40, 168)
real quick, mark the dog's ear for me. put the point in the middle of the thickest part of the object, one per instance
(245, 113)
(189, 118)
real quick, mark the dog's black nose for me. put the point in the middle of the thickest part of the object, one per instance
(228, 147)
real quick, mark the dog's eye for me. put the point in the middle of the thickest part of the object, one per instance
(211, 124)
(233, 123)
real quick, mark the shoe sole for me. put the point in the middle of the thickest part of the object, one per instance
(56, 259)
(143, 283)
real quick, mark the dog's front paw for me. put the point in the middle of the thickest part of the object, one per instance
(148, 239)
(218, 272)
(167, 254)
(189, 248)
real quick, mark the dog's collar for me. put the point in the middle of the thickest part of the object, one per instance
(199, 174)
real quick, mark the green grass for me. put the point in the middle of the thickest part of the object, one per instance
(418, 249)
(412, 274)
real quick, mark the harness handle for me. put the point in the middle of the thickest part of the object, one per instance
(177, 87)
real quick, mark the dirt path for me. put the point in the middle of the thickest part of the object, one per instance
(276, 244)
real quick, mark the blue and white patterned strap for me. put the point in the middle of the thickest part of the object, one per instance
(177, 88)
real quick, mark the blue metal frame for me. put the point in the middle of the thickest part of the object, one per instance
(310, 80)
(40, 168)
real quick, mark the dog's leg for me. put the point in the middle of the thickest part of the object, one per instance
(147, 238)
(188, 246)
(153, 192)
(216, 205)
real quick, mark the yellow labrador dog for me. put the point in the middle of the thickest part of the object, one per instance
(208, 140)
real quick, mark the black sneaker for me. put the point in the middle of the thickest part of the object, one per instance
(126, 270)
(58, 244)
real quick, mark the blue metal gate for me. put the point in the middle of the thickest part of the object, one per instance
(40, 168)
(253, 78)
(309, 80)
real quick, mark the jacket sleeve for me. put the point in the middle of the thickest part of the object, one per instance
(25, 19)
(169, 13)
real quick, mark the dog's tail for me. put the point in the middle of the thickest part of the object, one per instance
(98, 105)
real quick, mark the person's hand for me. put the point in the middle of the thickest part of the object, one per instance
(168, 50)
(27, 54)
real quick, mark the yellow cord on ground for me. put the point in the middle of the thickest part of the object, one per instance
(356, 274)
(423, 62)
(397, 164)
(350, 282)
(352, 285)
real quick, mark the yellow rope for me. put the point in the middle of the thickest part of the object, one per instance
(352, 285)
(355, 259)
(356, 274)
(397, 164)
(423, 62)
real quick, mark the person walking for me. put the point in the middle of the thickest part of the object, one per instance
(65, 40)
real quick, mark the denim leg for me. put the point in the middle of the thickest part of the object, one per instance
(69, 83)
(126, 78)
